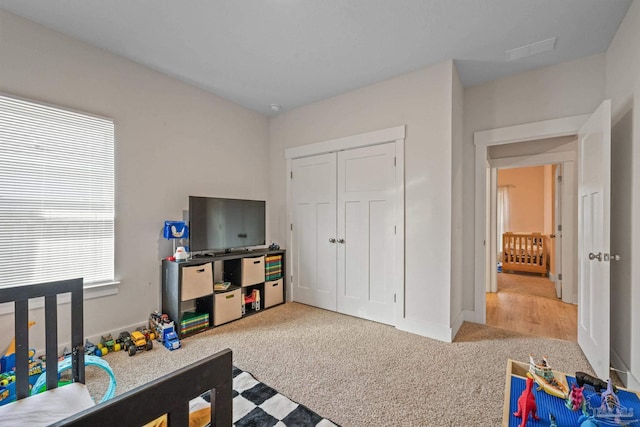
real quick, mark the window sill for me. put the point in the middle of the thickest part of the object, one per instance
(90, 292)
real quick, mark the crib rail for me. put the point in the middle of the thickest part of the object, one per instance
(524, 252)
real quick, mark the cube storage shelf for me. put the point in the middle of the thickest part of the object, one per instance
(188, 296)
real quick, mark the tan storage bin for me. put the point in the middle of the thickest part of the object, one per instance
(197, 281)
(273, 293)
(252, 270)
(228, 307)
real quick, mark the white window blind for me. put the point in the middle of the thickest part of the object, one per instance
(56, 194)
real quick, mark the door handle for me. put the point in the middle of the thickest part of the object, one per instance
(612, 257)
(593, 256)
(552, 236)
(340, 240)
(332, 240)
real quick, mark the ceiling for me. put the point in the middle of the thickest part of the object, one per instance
(294, 52)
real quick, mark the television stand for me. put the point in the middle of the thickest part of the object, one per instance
(239, 251)
(196, 256)
(188, 295)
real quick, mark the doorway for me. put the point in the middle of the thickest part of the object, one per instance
(528, 281)
(592, 255)
(559, 151)
(490, 153)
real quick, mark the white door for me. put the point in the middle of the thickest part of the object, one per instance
(557, 215)
(365, 232)
(594, 177)
(314, 224)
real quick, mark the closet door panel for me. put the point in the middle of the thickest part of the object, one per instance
(355, 254)
(366, 198)
(314, 224)
(379, 263)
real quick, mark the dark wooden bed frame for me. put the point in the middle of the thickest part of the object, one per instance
(169, 394)
(20, 296)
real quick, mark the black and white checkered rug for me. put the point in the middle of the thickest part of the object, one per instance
(255, 404)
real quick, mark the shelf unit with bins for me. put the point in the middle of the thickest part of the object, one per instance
(188, 288)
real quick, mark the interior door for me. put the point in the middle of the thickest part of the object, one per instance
(366, 232)
(314, 230)
(594, 177)
(557, 232)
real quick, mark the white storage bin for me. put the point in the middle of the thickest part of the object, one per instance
(273, 293)
(197, 281)
(252, 270)
(228, 307)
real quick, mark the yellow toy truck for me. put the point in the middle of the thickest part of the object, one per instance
(138, 342)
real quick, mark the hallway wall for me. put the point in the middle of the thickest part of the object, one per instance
(526, 198)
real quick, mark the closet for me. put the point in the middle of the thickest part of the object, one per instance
(344, 207)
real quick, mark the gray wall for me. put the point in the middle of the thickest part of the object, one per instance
(567, 89)
(457, 209)
(422, 101)
(172, 140)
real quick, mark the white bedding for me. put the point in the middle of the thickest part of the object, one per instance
(47, 407)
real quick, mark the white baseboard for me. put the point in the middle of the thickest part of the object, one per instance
(633, 382)
(456, 324)
(626, 376)
(621, 368)
(426, 329)
(95, 339)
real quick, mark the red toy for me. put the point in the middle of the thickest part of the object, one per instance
(527, 404)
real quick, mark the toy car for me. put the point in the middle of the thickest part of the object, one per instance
(139, 343)
(90, 349)
(107, 344)
(124, 339)
(159, 324)
(171, 340)
(148, 334)
(6, 379)
(159, 318)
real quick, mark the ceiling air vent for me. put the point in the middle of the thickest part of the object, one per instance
(531, 49)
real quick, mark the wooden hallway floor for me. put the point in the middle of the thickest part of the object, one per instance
(527, 303)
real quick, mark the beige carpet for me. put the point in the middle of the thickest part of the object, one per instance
(527, 284)
(361, 373)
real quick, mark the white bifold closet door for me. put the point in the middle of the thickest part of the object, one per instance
(344, 231)
(314, 222)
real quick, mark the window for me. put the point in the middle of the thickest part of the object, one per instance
(56, 194)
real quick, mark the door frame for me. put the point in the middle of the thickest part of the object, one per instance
(558, 202)
(394, 135)
(567, 126)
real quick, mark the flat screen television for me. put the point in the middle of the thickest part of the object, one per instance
(223, 225)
